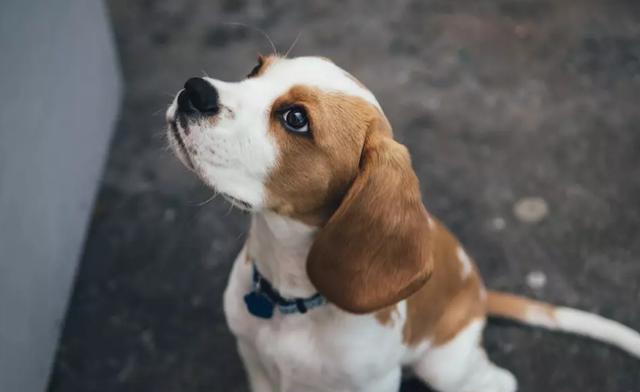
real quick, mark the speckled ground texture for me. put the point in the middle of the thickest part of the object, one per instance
(498, 101)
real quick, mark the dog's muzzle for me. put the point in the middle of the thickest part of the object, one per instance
(199, 99)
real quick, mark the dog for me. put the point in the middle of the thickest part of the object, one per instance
(345, 278)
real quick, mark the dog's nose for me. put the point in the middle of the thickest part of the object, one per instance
(198, 96)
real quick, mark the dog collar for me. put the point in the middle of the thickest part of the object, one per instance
(263, 299)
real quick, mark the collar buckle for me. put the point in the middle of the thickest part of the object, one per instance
(263, 299)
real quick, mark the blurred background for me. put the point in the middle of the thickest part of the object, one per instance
(522, 118)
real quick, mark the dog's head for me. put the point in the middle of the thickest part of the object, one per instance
(305, 139)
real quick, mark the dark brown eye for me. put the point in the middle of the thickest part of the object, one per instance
(295, 120)
(256, 69)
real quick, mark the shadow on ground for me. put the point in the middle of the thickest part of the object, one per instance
(498, 101)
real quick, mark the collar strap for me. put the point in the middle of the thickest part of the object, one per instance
(263, 299)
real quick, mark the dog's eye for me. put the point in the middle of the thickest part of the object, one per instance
(295, 120)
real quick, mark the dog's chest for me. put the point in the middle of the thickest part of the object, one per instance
(325, 349)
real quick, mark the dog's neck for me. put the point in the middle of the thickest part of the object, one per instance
(279, 247)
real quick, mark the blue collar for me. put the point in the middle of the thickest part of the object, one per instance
(263, 299)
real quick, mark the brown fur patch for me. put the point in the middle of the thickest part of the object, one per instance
(449, 301)
(515, 307)
(313, 172)
(385, 316)
(375, 246)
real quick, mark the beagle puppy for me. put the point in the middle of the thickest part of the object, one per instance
(345, 277)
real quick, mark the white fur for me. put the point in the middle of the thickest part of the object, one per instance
(234, 151)
(432, 224)
(465, 261)
(325, 349)
(598, 327)
(540, 317)
(278, 246)
(483, 293)
(586, 324)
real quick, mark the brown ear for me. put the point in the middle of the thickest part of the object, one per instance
(374, 250)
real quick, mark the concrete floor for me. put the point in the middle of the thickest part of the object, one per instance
(498, 101)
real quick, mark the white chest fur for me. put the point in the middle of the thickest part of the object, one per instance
(325, 349)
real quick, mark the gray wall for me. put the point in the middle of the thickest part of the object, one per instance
(59, 97)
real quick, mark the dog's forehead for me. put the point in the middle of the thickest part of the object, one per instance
(315, 72)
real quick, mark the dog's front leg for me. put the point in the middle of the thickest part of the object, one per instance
(258, 377)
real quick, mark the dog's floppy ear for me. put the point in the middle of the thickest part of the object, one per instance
(374, 251)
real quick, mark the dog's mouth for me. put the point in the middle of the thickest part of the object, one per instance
(175, 133)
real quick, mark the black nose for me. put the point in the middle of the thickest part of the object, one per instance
(198, 96)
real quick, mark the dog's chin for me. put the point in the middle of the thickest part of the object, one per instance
(180, 151)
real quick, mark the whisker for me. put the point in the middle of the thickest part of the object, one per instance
(293, 44)
(215, 194)
(158, 112)
(239, 236)
(259, 30)
(230, 209)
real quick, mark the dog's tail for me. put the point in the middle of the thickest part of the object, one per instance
(559, 318)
